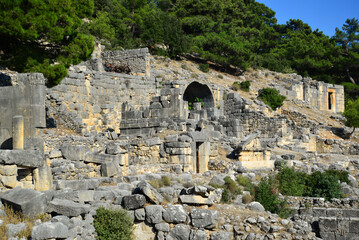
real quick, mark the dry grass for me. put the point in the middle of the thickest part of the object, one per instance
(13, 217)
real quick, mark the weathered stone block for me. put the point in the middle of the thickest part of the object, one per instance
(195, 200)
(67, 207)
(133, 201)
(175, 214)
(74, 152)
(25, 158)
(28, 201)
(108, 169)
(42, 178)
(154, 213)
(204, 218)
(50, 230)
(150, 192)
(8, 170)
(9, 181)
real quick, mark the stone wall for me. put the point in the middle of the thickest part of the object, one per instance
(320, 95)
(92, 101)
(137, 60)
(21, 94)
(241, 121)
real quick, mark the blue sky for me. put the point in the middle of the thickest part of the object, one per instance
(325, 15)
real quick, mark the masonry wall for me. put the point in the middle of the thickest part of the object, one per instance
(21, 94)
(135, 59)
(244, 121)
(92, 101)
(320, 95)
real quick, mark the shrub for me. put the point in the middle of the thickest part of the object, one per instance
(235, 86)
(111, 224)
(292, 182)
(271, 97)
(323, 185)
(246, 183)
(342, 176)
(204, 67)
(246, 198)
(230, 190)
(245, 86)
(267, 194)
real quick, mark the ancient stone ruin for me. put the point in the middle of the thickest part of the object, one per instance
(117, 122)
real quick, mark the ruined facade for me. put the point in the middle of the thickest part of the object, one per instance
(320, 95)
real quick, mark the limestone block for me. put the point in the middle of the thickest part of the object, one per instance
(67, 207)
(74, 152)
(134, 201)
(9, 181)
(150, 192)
(50, 230)
(42, 178)
(25, 158)
(143, 231)
(8, 170)
(204, 218)
(108, 169)
(175, 214)
(154, 213)
(28, 201)
(180, 231)
(195, 200)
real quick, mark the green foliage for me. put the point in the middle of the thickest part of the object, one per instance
(351, 91)
(323, 185)
(351, 113)
(37, 36)
(235, 86)
(111, 224)
(267, 194)
(230, 190)
(204, 67)
(245, 85)
(246, 183)
(271, 97)
(292, 182)
(342, 176)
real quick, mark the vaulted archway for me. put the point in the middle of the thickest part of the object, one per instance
(197, 91)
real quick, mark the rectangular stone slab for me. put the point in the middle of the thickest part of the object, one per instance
(28, 201)
(25, 158)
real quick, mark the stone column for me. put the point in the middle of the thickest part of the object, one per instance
(18, 132)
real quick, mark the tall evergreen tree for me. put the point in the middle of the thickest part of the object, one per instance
(41, 35)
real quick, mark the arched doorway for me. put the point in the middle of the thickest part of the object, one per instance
(197, 92)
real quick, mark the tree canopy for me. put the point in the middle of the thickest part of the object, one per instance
(42, 36)
(48, 36)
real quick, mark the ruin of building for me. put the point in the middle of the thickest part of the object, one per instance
(114, 93)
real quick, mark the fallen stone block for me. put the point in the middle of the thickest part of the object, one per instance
(50, 230)
(28, 201)
(204, 218)
(67, 207)
(150, 192)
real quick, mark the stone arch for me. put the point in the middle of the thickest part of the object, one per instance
(202, 91)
